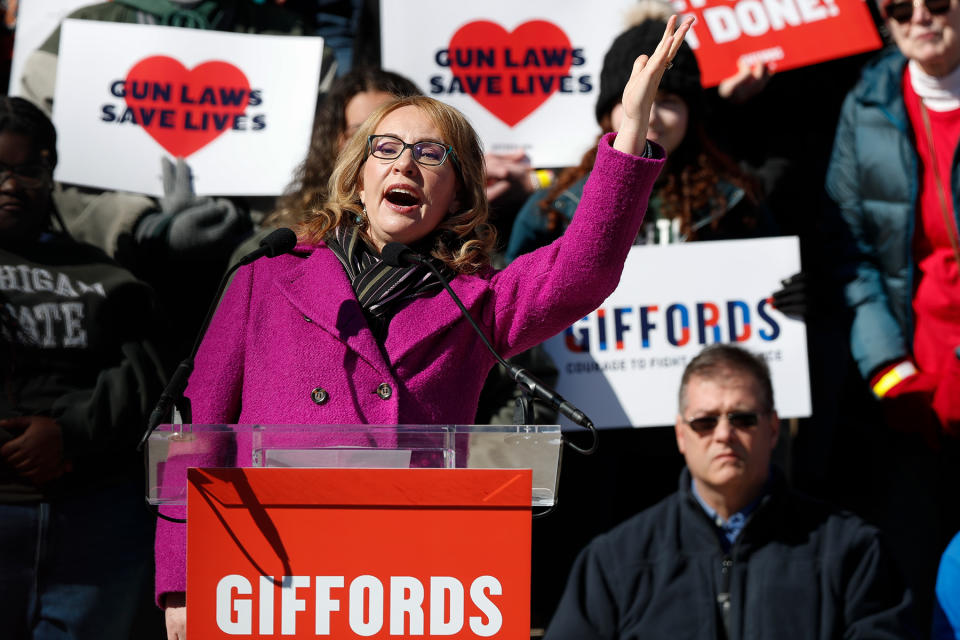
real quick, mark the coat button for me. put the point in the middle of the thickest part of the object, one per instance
(384, 391)
(319, 395)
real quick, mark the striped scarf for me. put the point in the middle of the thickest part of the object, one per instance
(380, 288)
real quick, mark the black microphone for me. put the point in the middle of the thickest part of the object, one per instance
(276, 243)
(396, 254)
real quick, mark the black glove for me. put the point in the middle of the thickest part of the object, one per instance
(794, 298)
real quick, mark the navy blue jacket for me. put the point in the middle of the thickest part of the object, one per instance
(798, 569)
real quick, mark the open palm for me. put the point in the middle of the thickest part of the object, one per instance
(641, 89)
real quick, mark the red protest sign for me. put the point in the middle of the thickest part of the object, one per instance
(785, 33)
(185, 109)
(351, 553)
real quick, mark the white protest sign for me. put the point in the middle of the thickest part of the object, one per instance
(36, 20)
(622, 364)
(238, 107)
(526, 74)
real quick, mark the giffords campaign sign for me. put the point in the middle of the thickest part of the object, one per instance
(358, 553)
(526, 74)
(622, 364)
(238, 107)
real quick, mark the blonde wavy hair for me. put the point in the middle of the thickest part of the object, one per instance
(463, 240)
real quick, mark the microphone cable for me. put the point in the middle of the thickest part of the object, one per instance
(396, 254)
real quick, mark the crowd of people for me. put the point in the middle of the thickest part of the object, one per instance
(840, 526)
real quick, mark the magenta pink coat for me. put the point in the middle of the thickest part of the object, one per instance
(291, 324)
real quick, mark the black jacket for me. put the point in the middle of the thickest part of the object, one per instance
(78, 349)
(799, 569)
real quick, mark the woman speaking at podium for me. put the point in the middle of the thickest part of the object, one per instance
(331, 334)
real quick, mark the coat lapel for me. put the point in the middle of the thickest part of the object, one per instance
(320, 290)
(425, 318)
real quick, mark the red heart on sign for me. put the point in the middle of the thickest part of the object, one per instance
(185, 109)
(510, 73)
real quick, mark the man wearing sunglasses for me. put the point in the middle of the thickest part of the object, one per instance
(895, 179)
(734, 553)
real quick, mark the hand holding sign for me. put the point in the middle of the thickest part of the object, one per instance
(177, 186)
(187, 223)
(747, 82)
(127, 93)
(641, 89)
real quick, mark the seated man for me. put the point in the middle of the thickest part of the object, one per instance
(734, 553)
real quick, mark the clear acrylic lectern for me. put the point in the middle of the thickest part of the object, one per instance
(172, 449)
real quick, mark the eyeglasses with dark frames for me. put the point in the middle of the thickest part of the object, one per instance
(27, 175)
(902, 12)
(736, 419)
(427, 153)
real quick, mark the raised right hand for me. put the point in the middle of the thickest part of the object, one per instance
(641, 89)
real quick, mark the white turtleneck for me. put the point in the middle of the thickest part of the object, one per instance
(938, 94)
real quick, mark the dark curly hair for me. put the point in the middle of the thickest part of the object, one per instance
(22, 116)
(688, 184)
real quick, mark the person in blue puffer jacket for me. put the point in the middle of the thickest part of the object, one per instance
(902, 275)
(895, 181)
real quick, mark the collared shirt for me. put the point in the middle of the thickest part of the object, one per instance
(728, 530)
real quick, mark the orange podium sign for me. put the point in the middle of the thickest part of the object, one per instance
(351, 553)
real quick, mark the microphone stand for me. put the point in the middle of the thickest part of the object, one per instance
(278, 242)
(395, 253)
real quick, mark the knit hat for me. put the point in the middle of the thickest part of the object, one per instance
(683, 78)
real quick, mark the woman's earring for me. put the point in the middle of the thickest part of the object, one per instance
(361, 219)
